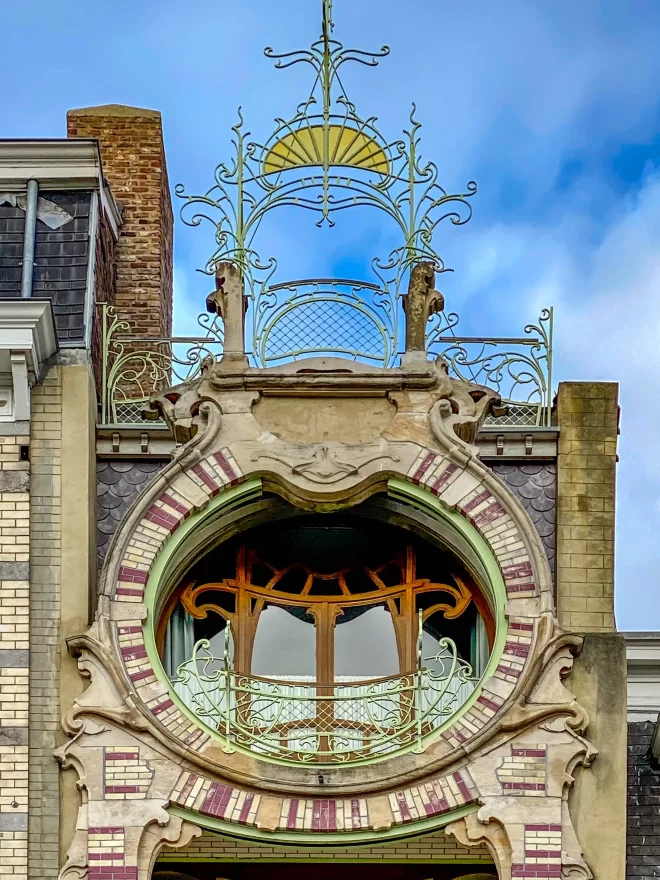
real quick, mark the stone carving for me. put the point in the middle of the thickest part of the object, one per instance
(182, 407)
(328, 464)
(522, 709)
(228, 301)
(420, 304)
(461, 410)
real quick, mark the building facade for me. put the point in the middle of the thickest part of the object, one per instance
(321, 587)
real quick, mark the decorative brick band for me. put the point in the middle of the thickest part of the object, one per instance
(125, 776)
(525, 772)
(441, 795)
(436, 474)
(107, 859)
(433, 798)
(489, 515)
(542, 853)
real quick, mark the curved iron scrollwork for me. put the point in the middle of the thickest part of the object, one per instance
(520, 368)
(345, 722)
(325, 158)
(135, 368)
(326, 316)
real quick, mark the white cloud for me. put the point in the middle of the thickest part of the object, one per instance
(607, 306)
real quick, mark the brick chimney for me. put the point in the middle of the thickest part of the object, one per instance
(133, 156)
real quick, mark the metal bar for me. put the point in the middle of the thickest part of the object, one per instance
(494, 340)
(548, 409)
(91, 268)
(29, 238)
(165, 339)
(104, 365)
(348, 282)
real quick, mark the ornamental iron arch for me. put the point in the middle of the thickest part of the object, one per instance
(326, 158)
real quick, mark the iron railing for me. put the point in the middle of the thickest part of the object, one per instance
(331, 317)
(519, 367)
(136, 367)
(298, 721)
(326, 158)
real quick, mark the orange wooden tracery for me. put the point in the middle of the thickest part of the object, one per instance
(394, 584)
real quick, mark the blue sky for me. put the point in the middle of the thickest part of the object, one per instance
(553, 106)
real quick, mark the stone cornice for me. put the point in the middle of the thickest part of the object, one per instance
(27, 340)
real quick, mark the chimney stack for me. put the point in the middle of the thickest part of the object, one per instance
(133, 156)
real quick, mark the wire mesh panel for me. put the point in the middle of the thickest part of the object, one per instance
(327, 316)
(325, 326)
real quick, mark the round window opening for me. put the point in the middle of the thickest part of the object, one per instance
(326, 639)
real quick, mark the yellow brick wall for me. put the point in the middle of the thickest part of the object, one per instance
(14, 647)
(45, 659)
(434, 847)
(586, 478)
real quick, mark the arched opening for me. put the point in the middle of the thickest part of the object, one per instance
(326, 637)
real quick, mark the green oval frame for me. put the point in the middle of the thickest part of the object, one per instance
(397, 488)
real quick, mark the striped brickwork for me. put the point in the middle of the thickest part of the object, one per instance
(14, 656)
(488, 515)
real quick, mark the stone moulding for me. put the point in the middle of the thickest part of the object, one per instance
(497, 773)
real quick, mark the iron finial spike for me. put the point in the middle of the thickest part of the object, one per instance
(327, 19)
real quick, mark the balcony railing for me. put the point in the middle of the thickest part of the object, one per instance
(301, 721)
(327, 317)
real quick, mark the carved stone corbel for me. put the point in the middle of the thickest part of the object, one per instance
(460, 412)
(472, 830)
(181, 406)
(175, 834)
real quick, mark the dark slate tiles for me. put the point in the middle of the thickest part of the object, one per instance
(643, 837)
(118, 483)
(61, 260)
(535, 485)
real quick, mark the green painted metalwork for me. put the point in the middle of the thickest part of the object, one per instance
(520, 368)
(330, 316)
(309, 722)
(134, 367)
(326, 158)
(178, 548)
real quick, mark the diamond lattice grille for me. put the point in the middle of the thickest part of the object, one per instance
(325, 326)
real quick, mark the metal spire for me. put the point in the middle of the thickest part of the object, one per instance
(327, 20)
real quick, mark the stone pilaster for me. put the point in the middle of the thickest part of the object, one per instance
(586, 478)
(45, 595)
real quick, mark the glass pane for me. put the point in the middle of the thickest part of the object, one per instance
(284, 646)
(365, 647)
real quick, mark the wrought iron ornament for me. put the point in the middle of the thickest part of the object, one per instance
(325, 158)
(342, 723)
